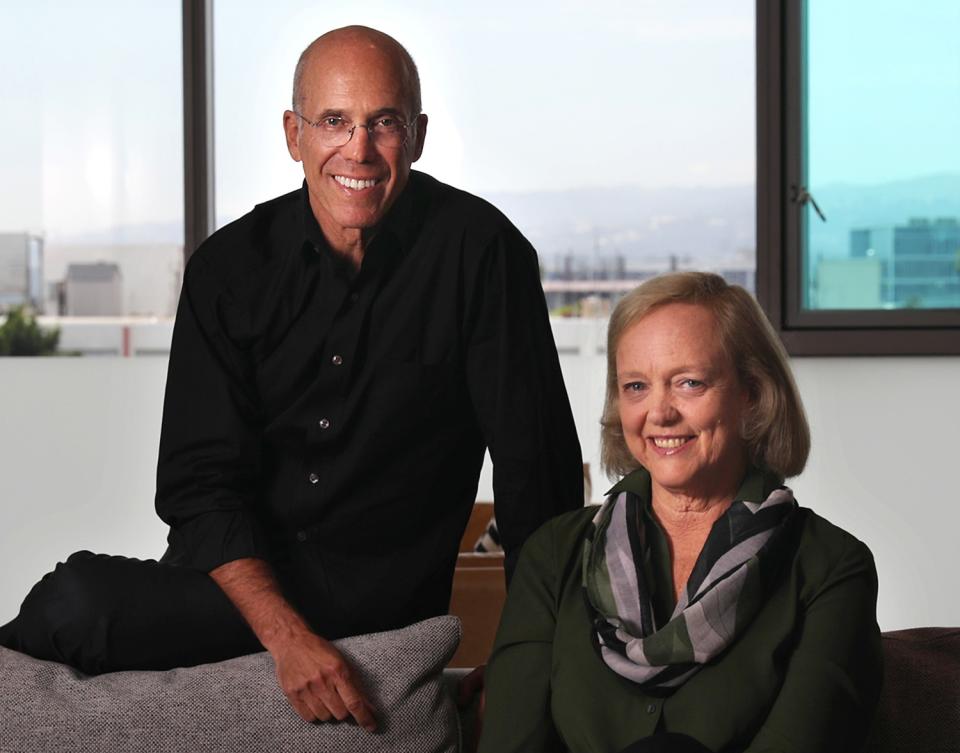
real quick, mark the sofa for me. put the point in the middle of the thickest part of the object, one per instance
(411, 675)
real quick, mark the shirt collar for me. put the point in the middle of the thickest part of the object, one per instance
(756, 486)
(401, 224)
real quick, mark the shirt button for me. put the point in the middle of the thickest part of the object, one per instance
(652, 708)
(336, 360)
(314, 478)
(324, 423)
(301, 535)
(354, 297)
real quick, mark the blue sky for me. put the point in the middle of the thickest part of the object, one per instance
(883, 89)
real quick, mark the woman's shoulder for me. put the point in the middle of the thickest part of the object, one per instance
(826, 551)
(569, 527)
(558, 540)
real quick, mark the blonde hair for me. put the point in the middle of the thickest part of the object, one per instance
(775, 429)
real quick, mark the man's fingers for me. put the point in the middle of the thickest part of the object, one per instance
(321, 712)
(357, 705)
(329, 697)
(301, 708)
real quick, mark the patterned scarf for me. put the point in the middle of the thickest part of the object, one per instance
(723, 594)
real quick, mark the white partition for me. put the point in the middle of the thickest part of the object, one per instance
(78, 443)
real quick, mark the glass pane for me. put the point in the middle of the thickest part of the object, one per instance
(882, 161)
(91, 191)
(618, 136)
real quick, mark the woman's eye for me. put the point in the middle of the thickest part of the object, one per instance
(691, 384)
(634, 387)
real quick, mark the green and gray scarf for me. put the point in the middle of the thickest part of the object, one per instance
(723, 594)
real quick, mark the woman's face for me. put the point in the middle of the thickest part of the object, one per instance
(681, 402)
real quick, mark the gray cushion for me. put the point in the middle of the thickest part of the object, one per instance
(235, 705)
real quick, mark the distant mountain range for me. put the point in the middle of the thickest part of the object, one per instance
(593, 223)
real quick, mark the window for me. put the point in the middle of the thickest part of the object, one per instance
(859, 175)
(617, 136)
(91, 192)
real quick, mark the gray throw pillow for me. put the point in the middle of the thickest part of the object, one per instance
(234, 705)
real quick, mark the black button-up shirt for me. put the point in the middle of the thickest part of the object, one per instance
(333, 421)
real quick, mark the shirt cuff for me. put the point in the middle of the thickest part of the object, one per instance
(215, 538)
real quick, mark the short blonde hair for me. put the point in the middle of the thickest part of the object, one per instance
(775, 429)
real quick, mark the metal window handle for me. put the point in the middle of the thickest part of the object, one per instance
(801, 196)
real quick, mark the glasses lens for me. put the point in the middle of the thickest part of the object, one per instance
(386, 133)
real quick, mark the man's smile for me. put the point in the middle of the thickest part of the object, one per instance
(356, 184)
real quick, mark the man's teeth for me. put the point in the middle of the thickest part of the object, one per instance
(670, 443)
(353, 183)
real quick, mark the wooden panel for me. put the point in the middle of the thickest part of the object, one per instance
(479, 591)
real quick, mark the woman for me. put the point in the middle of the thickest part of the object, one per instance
(699, 608)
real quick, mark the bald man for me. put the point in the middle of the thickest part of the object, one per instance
(342, 356)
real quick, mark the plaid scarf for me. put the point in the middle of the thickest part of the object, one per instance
(723, 594)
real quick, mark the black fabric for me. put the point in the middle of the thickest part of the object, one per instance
(667, 742)
(333, 422)
(103, 614)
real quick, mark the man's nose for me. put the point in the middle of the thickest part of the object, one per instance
(360, 147)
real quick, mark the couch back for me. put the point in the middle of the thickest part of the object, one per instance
(920, 702)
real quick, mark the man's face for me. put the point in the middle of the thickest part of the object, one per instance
(352, 186)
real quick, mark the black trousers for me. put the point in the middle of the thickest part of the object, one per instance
(102, 613)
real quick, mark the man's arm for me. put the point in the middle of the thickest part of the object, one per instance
(314, 676)
(518, 393)
(207, 477)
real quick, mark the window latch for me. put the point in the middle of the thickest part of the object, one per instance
(802, 196)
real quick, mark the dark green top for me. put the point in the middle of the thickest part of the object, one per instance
(804, 676)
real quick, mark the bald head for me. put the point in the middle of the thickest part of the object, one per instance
(358, 41)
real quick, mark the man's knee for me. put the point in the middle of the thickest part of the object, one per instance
(65, 616)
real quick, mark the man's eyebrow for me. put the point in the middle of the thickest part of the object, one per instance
(388, 111)
(333, 112)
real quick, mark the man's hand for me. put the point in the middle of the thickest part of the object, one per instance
(319, 683)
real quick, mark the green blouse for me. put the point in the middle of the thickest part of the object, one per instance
(804, 676)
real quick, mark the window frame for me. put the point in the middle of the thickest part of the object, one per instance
(198, 151)
(780, 218)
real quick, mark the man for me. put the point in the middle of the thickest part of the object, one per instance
(341, 357)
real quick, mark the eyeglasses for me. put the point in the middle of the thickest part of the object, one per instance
(334, 131)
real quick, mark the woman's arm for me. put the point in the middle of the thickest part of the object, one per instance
(833, 679)
(517, 714)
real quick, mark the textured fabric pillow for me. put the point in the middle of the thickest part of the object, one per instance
(235, 705)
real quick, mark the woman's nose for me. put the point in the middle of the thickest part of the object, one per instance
(663, 409)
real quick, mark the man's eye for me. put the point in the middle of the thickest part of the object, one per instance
(387, 124)
(333, 122)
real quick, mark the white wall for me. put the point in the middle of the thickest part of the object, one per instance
(78, 443)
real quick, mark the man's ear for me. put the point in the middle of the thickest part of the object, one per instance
(291, 129)
(421, 136)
